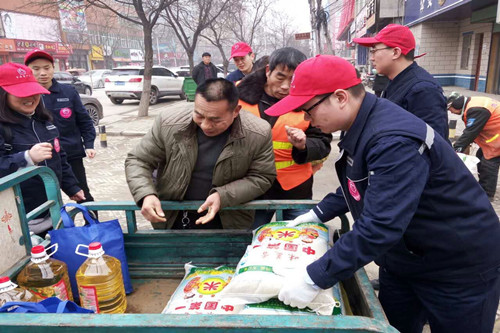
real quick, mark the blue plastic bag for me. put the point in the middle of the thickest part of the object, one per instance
(49, 305)
(109, 234)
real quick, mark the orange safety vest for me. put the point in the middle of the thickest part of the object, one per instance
(489, 138)
(289, 173)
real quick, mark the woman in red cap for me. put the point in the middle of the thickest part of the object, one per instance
(27, 138)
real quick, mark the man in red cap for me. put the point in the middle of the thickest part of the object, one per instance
(411, 87)
(70, 116)
(243, 57)
(418, 211)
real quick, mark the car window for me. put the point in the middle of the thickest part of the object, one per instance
(158, 72)
(66, 77)
(127, 71)
(170, 73)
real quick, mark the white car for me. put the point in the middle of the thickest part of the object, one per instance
(95, 78)
(126, 83)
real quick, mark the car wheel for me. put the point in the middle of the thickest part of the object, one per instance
(116, 100)
(100, 84)
(87, 91)
(93, 113)
(183, 95)
(153, 96)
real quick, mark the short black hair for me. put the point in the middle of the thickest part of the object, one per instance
(206, 54)
(357, 90)
(287, 56)
(458, 103)
(410, 55)
(214, 90)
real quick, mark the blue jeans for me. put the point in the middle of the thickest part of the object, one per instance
(264, 216)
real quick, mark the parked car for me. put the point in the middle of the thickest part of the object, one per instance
(183, 71)
(95, 78)
(126, 83)
(94, 108)
(67, 78)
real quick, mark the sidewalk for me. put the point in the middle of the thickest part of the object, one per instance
(130, 124)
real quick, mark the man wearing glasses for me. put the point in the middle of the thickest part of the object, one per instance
(411, 87)
(418, 212)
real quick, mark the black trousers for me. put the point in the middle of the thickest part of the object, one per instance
(488, 173)
(79, 171)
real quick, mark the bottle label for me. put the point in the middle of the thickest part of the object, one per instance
(88, 298)
(58, 290)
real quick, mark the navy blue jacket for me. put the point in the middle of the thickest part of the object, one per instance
(415, 90)
(25, 134)
(418, 211)
(235, 76)
(71, 118)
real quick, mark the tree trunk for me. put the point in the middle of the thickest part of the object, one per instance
(190, 55)
(328, 38)
(148, 70)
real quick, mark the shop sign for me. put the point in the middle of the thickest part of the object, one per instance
(420, 10)
(97, 53)
(7, 45)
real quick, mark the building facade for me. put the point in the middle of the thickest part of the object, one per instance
(460, 37)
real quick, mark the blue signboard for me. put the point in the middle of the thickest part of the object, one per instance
(420, 10)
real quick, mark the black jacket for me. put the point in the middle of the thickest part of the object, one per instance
(199, 72)
(25, 134)
(71, 118)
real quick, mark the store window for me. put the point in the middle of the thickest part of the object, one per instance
(466, 45)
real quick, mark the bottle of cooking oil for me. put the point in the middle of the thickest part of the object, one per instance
(10, 292)
(100, 281)
(46, 277)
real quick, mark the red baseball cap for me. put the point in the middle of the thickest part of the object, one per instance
(393, 35)
(18, 80)
(37, 53)
(240, 49)
(320, 75)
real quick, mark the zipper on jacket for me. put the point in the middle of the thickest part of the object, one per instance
(36, 134)
(341, 188)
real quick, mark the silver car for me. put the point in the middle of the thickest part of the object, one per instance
(94, 108)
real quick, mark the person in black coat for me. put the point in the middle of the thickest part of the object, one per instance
(204, 70)
(28, 138)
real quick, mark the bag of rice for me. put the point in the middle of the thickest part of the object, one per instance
(276, 248)
(198, 292)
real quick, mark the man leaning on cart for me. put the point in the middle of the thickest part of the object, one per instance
(212, 153)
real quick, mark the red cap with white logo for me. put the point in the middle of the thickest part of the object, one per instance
(18, 80)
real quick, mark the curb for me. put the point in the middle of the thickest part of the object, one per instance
(126, 133)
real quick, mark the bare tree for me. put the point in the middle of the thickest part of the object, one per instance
(188, 18)
(248, 19)
(144, 13)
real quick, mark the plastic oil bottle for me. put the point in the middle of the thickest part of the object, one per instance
(100, 281)
(46, 277)
(10, 292)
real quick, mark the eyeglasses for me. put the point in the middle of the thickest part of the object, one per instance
(373, 51)
(308, 110)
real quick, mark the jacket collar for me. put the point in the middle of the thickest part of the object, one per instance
(55, 87)
(351, 137)
(402, 76)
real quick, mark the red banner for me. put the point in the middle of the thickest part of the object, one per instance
(52, 48)
(7, 45)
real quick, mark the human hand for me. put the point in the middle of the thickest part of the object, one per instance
(90, 152)
(78, 196)
(296, 137)
(213, 205)
(151, 209)
(310, 216)
(298, 289)
(41, 152)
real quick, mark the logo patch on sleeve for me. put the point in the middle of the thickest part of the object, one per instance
(470, 121)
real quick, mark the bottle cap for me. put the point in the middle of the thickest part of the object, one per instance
(6, 284)
(38, 253)
(95, 250)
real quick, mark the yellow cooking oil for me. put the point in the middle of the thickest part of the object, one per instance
(45, 277)
(10, 292)
(100, 281)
